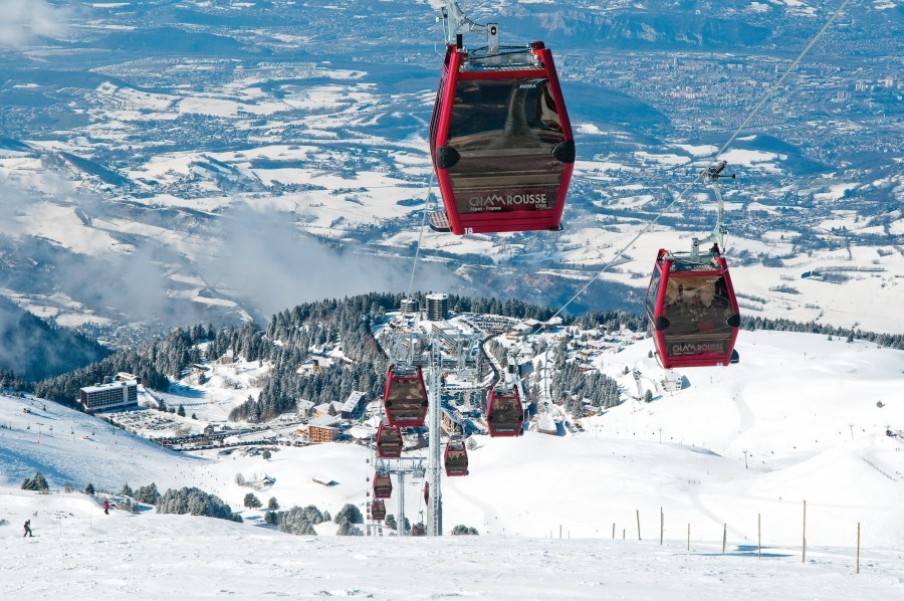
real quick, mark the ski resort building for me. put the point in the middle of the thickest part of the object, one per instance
(323, 429)
(109, 396)
(409, 306)
(437, 307)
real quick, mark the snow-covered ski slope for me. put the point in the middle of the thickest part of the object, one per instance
(82, 554)
(801, 411)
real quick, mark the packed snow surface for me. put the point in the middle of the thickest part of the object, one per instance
(82, 554)
(802, 421)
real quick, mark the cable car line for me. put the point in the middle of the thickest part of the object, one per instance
(420, 236)
(766, 97)
(784, 76)
(624, 249)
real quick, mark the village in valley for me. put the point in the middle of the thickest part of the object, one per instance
(193, 414)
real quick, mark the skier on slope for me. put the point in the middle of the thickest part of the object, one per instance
(27, 529)
(107, 507)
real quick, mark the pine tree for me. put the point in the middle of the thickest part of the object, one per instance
(148, 494)
(461, 529)
(348, 529)
(36, 482)
(350, 514)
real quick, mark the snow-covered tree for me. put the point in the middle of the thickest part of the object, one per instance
(349, 514)
(36, 482)
(461, 529)
(195, 502)
(148, 494)
(251, 501)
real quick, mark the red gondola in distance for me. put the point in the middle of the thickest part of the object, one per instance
(405, 396)
(382, 485)
(455, 458)
(692, 310)
(505, 415)
(378, 510)
(501, 141)
(389, 440)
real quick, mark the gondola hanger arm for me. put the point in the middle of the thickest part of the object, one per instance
(712, 174)
(455, 22)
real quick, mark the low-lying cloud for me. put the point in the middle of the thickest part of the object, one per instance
(265, 260)
(24, 20)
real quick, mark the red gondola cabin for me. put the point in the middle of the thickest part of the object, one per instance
(501, 141)
(405, 397)
(692, 310)
(389, 441)
(505, 415)
(378, 510)
(382, 485)
(456, 459)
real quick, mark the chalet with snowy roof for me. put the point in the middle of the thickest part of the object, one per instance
(315, 363)
(304, 407)
(547, 425)
(353, 405)
(552, 323)
(597, 344)
(331, 408)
